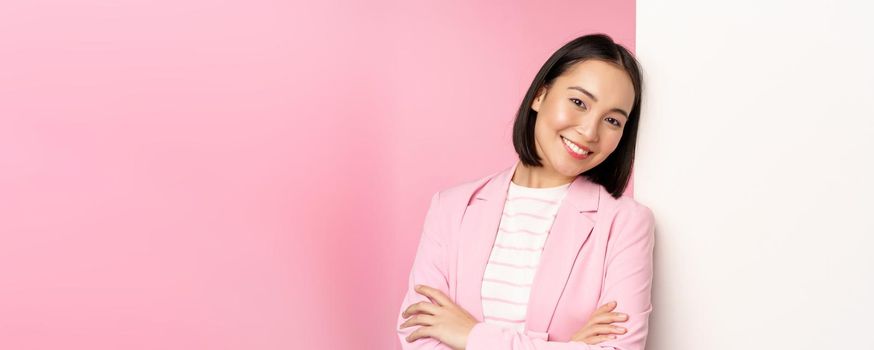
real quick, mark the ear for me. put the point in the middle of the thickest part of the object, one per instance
(541, 95)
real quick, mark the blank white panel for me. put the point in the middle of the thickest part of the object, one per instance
(755, 156)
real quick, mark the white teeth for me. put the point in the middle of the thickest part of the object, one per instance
(573, 146)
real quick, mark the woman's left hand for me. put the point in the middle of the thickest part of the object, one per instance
(441, 319)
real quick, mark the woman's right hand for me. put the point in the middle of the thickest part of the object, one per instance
(599, 327)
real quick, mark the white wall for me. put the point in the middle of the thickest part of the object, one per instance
(755, 156)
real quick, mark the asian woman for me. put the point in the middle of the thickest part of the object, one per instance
(548, 253)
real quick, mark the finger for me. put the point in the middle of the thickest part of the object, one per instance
(599, 339)
(435, 294)
(420, 307)
(618, 317)
(608, 318)
(608, 329)
(418, 320)
(422, 332)
(606, 307)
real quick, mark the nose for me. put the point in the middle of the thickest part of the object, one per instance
(588, 128)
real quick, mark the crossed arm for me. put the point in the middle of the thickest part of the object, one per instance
(628, 280)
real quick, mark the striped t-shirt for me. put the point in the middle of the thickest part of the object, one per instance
(527, 217)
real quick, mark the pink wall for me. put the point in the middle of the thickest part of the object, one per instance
(245, 174)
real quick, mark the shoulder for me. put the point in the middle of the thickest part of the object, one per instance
(447, 206)
(460, 194)
(450, 203)
(629, 228)
(624, 211)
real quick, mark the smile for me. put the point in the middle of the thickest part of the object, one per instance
(574, 150)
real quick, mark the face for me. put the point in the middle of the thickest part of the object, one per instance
(588, 105)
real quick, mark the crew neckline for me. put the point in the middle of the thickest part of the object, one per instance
(539, 189)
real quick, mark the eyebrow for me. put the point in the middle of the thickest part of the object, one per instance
(596, 99)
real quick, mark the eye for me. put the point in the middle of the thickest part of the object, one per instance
(614, 121)
(581, 104)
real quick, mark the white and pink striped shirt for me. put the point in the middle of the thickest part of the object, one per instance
(527, 217)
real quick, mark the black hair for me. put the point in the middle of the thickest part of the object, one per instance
(614, 172)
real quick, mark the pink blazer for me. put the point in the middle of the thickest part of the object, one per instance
(599, 249)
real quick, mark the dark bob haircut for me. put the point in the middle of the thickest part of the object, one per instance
(614, 172)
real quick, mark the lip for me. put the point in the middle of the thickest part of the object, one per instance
(574, 154)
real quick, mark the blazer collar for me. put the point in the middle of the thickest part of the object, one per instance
(569, 231)
(582, 193)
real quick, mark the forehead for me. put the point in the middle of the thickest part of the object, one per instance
(607, 81)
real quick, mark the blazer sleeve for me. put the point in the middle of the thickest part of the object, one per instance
(430, 267)
(628, 280)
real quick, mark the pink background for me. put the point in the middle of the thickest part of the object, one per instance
(246, 174)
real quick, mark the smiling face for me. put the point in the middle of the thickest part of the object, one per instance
(588, 105)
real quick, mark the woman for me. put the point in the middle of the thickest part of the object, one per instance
(548, 253)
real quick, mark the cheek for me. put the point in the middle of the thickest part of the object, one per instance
(546, 125)
(554, 116)
(561, 117)
(611, 141)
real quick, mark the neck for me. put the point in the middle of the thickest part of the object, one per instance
(538, 177)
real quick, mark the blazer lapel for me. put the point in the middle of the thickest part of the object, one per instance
(478, 231)
(569, 231)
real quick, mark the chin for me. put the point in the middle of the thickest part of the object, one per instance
(570, 168)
